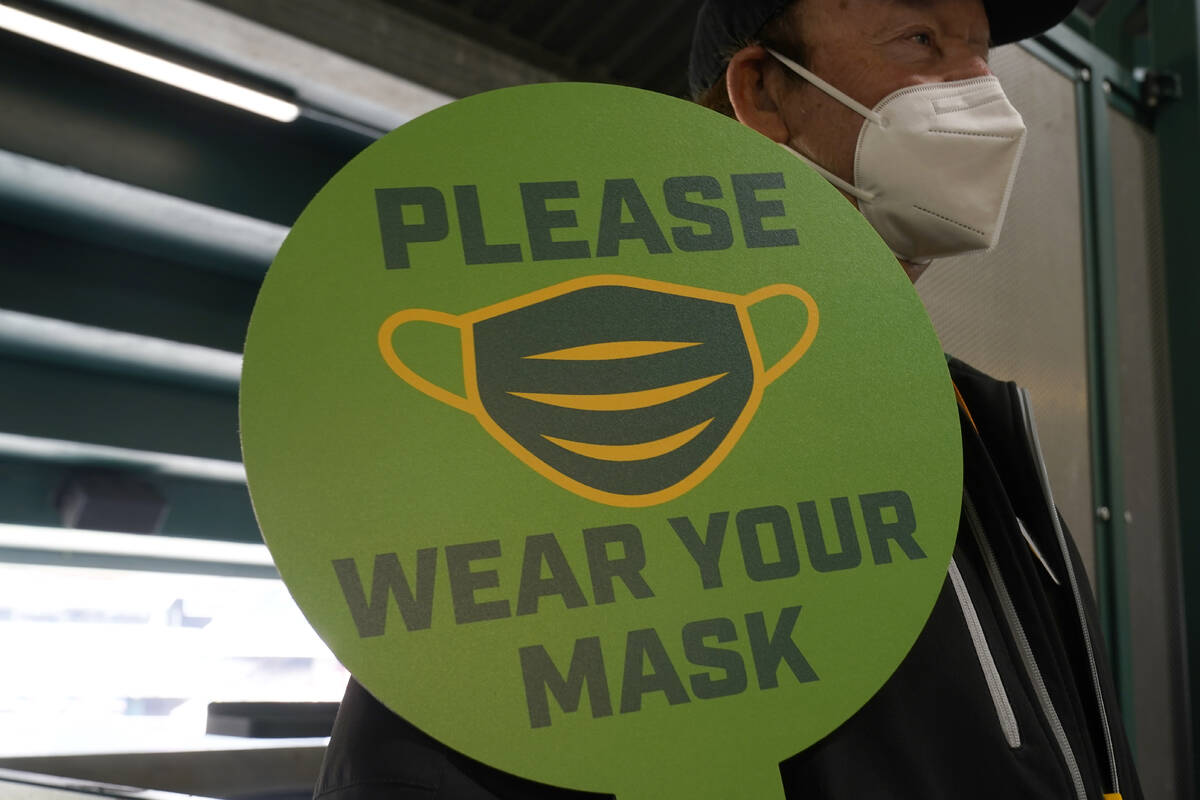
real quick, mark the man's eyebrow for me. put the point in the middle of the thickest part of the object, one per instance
(912, 5)
(883, 19)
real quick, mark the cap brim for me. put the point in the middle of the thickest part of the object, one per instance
(1014, 20)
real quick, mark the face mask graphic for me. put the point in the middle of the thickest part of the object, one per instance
(625, 391)
(934, 164)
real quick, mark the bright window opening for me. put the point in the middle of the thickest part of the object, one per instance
(107, 660)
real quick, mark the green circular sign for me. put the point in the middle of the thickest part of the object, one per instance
(601, 439)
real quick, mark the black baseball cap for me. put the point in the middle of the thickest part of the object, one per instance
(723, 24)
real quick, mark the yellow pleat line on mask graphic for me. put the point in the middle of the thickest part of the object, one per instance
(610, 351)
(631, 452)
(624, 401)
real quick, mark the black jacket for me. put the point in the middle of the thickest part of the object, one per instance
(1006, 693)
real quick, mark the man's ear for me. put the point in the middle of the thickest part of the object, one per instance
(754, 85)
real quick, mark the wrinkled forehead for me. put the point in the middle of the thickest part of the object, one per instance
(813, 20)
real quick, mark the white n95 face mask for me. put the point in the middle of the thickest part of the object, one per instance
(934, 165)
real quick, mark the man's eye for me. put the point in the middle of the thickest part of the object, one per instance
(923, 39)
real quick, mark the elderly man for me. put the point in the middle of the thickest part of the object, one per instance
(1006, 693)
(855, 88)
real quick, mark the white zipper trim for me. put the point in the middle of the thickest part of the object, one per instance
(1027, 659)
(1031, 436)
(1004, 709)
(1037, 551)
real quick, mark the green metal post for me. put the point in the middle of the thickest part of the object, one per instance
(1111, 33)
(1175, 39)
(1112, 569)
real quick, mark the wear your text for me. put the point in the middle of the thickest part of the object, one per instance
(615, 555)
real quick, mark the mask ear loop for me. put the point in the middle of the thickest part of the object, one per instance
(837, 94)
(869, 114)
(845, 186)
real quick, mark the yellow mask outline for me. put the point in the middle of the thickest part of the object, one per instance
(472, 405)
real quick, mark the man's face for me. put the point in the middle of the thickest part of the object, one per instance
(869, 49)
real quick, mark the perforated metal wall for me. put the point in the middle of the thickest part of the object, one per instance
(1146, 440)
(1018, 311)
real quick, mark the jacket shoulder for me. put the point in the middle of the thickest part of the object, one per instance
(989, 400)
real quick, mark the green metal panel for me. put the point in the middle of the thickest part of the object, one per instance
(64, 278)
(1175, 34)
(1101, 81)
(1159, 677)
(60, 403)
(51, 402)
(196, 509)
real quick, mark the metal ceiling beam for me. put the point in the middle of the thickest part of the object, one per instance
(471, 24)
(395, 40)
(65, 201)
(70, 344)
(615, 19)
(650, 26)
(472, 6)
(566, 9)
(16, 447)
(665, 67)
(509, 16)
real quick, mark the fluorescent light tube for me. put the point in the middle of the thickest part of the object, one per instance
(144, 64)
(167, 548)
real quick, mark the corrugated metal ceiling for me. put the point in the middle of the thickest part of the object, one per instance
(106, 167)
